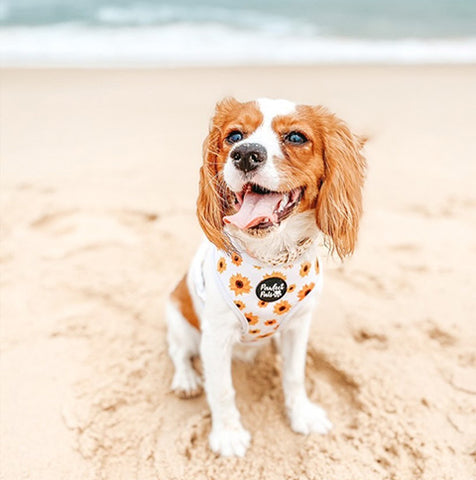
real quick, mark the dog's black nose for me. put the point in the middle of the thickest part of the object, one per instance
(248, 156)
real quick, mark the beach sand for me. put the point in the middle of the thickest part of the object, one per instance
(98, 187)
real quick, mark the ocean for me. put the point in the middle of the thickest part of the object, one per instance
(212, 32)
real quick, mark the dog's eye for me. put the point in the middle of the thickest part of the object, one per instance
(234, 137)
(295, 137)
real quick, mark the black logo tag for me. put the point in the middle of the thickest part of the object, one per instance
(271, 289)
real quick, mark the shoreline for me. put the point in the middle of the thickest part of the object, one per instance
(213, 45)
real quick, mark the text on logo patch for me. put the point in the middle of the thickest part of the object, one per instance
(271, 289)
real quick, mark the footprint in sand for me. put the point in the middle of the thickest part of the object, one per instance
(438, 334)
(449, 207)
(363, 335)
(405, 247)
(136, 218)
(70, 232)
(363, 280)
(340, 382)
(55, 223)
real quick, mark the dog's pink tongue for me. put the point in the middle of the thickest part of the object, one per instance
(255, 209)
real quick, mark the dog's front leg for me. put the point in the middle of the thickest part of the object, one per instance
(305, 416)
(227, 437)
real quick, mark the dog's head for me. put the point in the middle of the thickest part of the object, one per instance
(267, 161)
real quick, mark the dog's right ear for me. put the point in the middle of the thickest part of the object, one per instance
(339, 205)
(212, 201)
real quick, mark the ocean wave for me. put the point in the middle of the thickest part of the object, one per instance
(166, 14)
(4, 11)
(184, 44)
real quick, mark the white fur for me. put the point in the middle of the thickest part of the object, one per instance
(266, 175)
(283, 237)
(220, 327)
(220, 333)
(184, 343)
(305, 416)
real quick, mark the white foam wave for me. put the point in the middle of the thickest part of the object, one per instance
(210, 44)
(142, 15)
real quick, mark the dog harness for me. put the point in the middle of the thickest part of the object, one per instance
(263, 296)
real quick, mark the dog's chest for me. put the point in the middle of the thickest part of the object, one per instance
(263, 296)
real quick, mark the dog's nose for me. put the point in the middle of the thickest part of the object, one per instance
(248, 156)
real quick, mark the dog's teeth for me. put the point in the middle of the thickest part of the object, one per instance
(283, 203)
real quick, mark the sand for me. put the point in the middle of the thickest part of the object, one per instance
(98, 186)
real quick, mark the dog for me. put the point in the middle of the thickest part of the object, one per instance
(276, 179)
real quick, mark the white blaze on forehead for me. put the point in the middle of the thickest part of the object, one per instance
(271, 108)
(267, 175)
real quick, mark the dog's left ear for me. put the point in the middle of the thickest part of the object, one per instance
(339, 204)
(211, 202)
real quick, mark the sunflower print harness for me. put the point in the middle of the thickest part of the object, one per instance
(263, 296)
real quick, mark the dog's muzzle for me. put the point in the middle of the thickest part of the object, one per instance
(248, 156)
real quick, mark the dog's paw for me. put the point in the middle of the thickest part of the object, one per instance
(230, 441)
(307, 417)
(187, 383)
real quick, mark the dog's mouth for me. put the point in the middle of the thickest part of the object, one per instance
(259, 208)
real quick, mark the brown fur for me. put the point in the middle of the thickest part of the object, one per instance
(303, 165)
(339, 203)
(182, 299)
(212, 204)
(329, 166)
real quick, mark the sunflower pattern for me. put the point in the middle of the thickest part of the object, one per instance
(221, 265)
(251, 319)
(305, 291)
(263, 296)
(236, 259)
(275, 275)
(282, 307)
(266, 335)
(240, 304)
(240, 284)
(305, 269)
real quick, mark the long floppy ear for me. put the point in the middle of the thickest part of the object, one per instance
(212, 201)
(339, 205)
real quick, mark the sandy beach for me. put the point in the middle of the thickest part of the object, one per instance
(99, 176)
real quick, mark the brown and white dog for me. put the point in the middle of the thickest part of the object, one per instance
(275, 178)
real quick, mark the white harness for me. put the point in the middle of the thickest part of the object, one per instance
(262, 296)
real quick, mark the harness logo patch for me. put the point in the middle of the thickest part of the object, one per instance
(271, 289)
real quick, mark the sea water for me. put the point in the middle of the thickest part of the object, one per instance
(226, 32)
